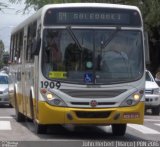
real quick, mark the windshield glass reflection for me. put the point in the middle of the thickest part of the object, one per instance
(77, 54)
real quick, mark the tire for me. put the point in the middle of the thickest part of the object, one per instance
(119, 129)
(40, 129)
(10, 106)
(31, 107)
(19, 116)
(156, 110)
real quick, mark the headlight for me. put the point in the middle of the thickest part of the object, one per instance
(5, 91)
(133, 99)
(53, 99)
(156, 91)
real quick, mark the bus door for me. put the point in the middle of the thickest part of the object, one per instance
(23, 75)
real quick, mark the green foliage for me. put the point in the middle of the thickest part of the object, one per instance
(5, 58)
(150, 8)
(2, 6)
(1, 45)
(1, 64)
(1, 52)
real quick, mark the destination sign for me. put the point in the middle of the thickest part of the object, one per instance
(81, 17)
(92, 16)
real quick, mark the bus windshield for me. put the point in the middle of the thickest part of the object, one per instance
(92, 56)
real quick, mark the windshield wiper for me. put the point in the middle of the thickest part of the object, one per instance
(68, 28)
(111, 37)
(74, 37)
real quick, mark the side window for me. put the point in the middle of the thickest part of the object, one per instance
(20, 46)
(30, 41)
(16, 46)
(12, 48)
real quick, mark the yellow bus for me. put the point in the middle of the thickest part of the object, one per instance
(80, 64)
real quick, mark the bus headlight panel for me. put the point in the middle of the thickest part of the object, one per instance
(156, 91)
(53, 99)
(132, 99)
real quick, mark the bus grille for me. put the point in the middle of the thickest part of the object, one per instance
(87, 103)
(93, 93)
(103, 114)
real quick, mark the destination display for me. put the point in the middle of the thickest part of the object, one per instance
(92, 16)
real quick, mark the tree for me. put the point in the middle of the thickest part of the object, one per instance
(150, 8)
(2, 6)
(5, 58)
(5, 5)
(37, 4)
(150, 11)
(1, 52)
(1, 47)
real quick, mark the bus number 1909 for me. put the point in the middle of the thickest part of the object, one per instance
(46, 84)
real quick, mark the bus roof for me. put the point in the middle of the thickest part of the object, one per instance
(68, 5)
(89, 5)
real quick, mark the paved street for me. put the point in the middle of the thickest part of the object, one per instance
(13, 131)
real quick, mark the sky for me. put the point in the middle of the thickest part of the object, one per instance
(9, 18)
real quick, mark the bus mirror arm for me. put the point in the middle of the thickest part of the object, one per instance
(36, 47)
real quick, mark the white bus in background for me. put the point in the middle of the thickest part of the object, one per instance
(80, 64)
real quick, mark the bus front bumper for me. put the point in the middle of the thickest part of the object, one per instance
(49, 115)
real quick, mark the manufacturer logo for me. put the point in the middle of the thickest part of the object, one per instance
(93, 103)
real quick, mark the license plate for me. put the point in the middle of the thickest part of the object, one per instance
(131, 115)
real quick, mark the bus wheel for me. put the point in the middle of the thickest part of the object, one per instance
(40, 129)
(19, 116)
(119, 129)
(156, 110)
(31, 106)
(10, 105)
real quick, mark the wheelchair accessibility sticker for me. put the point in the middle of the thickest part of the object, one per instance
(88, 77)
